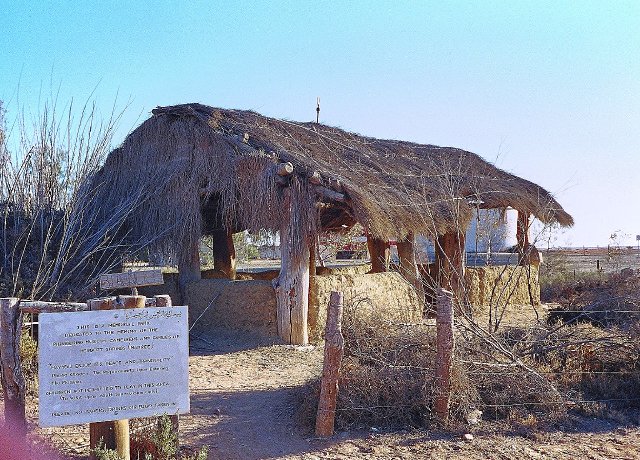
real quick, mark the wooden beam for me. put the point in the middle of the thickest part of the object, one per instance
(13, 384)
(450, 262)
(292, 285)
(380, 254)
(408, 266)
(224, 253)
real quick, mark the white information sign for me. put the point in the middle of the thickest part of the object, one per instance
(96, 366)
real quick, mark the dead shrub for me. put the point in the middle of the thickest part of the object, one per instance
(591, 363)
(526, 375)
(387, 376)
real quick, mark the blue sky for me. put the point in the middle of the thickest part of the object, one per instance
(547, 90)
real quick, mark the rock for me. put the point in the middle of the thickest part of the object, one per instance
(467, 437)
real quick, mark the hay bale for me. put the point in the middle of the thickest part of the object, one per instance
(503, 285)
(386, 295)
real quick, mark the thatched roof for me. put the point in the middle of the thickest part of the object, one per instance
(191, 159)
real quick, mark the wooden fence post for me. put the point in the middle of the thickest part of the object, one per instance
(444, 354)
(333, 353)
(114, 434)
(13, 385)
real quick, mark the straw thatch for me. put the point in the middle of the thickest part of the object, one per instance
(215, 168)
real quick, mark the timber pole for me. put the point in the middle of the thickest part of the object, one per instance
(380, 254)
(224, 253)
(13, 384)
(113, 434)
(522, 237)
(333, 354)
(408, 265)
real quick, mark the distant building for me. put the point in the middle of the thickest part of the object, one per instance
(490, 231)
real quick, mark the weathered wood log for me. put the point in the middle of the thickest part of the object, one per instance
(13, 384)
(380, 254)
(188, 265)
(450, 262)
(333, 353)
(284, 169)
(326, 193)
(113, 434)
(37, 307)
(224, 253)
(408, 266)
(444, 354)
(292, 284)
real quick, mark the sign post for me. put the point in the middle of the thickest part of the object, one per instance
(112, 363)
(104, 367)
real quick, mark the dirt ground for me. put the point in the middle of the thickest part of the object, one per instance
(243, 397)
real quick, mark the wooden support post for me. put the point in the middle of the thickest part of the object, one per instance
(450, 262)
(444, 354)
(408, 266)
(188, 266)
(333, 353)
(380, 254)
(13, 384)
(224, 253)
(522, 238)
(113, 434)
(292, 284)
